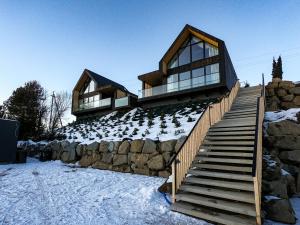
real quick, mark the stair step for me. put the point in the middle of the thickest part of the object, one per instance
(218, 129)
(233, 143)
(212, 216)
(212, 133)
(241, 208)
(220, 183)
(242, 111)
(228, 148)
(224, 160)
(235, 124)
(224, 138)
(232, 176)
(227, 154)
(219, 193)
(222, 167)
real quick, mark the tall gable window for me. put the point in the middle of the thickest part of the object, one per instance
(191, 51)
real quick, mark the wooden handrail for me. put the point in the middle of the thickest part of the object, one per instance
(187, 152)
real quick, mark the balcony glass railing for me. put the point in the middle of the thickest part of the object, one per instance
(180, 85)
(120, 102)
(95, 104)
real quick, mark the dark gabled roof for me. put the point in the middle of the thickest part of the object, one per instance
(103, 81)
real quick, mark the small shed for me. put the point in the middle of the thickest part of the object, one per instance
(9, 130)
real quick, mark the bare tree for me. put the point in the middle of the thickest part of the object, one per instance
(60, 104)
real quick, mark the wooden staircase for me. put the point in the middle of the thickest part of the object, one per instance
(219, 185)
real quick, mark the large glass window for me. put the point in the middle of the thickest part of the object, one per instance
(198, 78)
(184, 56)
(192, 50)
(212, 74)
(197, 51)
(90, 87)
(185, 80)
(210, 50)
(172, 83)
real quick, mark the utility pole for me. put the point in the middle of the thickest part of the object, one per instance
(50, 121)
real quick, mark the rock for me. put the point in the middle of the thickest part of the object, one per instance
(120, 160)
(298, 117)
(284, 127)
(153, 154)
(295, 90)
(287, 105)
(288, 98)
(156, 163)
(179, 142)
(136, 146)
(270, 92)
(276, 188)
(280, 210)
(103, 146)
(107, 157)
(166, 188)
(122, 168)
(164, 173)
(292, 169)
(93, 146)
(271, 172)
(291, 185)
(102, 165)
(298, 183)
(273, 84)
(149, 147)
(111, 146)
(124, 148)
(286, 84)
(290, 156)
(167, 156)
(86, 161)
(116, 146)
(140, 160)
(281, 92)
(296, 101)
(144, 171)
(167, 146)
(79, 150)
(69, 152)
(289, 142)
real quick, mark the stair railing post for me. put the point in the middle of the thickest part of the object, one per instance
(173, 181)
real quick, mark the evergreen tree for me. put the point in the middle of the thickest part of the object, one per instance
(27, 104)
(279, 68)
(274, 68)
(2, 111)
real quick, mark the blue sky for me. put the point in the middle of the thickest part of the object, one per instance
(53, 41)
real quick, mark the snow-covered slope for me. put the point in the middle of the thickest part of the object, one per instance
(163, 123)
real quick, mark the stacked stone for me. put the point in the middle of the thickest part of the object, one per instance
(282, 178)
(281, 94)
(145, 157)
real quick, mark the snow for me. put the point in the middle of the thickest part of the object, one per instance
(56, 193)
(284, 172)
(277, 116)
(134, 125)
(296, 206)
(270, 197)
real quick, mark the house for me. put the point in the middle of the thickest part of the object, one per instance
(97, 95)
(196, 66)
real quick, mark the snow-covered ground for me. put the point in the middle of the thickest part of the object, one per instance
(277, 116)
(54, 193)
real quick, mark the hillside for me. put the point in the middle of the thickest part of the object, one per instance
(160, 123)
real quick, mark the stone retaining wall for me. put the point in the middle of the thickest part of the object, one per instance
(281, 169)
(145, 157)
(281, 94)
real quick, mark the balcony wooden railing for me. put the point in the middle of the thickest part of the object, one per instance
(257, 157)
(182, 161)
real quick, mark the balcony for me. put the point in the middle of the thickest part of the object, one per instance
(95, 104)
(180, 85)
(121, 102)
